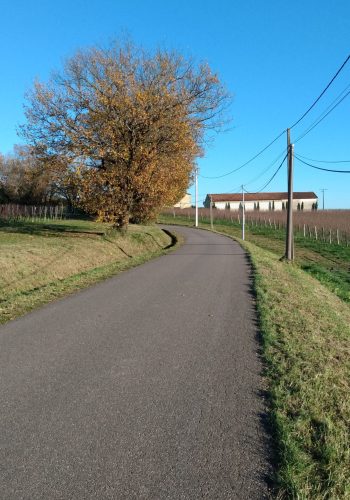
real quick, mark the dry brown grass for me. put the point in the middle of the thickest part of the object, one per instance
(35, 257)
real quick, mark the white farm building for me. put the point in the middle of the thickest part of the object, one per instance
(185, 202)
(262, 201)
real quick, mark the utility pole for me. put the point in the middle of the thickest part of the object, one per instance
(196, 195)
(243, 214)
(323, 190)
(289, 236)
(211, 212)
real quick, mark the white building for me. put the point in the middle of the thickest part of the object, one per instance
(185, 202)
(262, 201)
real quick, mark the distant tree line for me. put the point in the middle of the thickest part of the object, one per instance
(26, 180)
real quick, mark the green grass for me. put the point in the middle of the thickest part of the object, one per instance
(42, 261)
(337, 280)
(306, 334)
(305, 330)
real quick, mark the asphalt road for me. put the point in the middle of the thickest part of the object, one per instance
(145, 386)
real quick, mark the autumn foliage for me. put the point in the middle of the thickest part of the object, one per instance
(127, 125)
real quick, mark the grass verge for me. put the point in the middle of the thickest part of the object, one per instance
(306, 331)
(40, 262)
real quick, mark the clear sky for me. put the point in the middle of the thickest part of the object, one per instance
(274, 57)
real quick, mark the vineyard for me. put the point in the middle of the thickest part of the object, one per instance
(14, 212)
(329, 226)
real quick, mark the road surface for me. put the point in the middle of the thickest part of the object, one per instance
(145, 386)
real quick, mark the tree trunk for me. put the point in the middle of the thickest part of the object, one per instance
(121, 223)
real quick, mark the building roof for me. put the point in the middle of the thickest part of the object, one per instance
(226, 197)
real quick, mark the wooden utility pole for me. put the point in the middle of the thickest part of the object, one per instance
(289, 236)
(211, 212)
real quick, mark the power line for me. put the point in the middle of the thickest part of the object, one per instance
(271, 179)
(320, 168)
(266, 170)
(246, 163)
(321, 119)
(236, 189)
(322, 93)
(323, 161)
(274, 175)
(323, 116)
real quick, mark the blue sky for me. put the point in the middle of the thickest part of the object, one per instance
(274, 58)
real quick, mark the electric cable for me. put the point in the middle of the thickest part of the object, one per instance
(236, 189)
(246, 163)
(270, 180)
(322, 93)
(320, 168)
(323, 161)
(292, 126)
(307, 131)
(266, 170)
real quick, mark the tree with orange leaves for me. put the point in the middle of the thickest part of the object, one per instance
(128, 125)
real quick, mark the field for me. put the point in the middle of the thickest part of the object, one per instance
(322, 225)
(305, 333)
(42, 260)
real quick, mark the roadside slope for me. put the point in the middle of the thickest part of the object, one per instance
(42, 261)
(306, 334)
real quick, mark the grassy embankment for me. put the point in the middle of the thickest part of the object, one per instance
(305, 329)
(42, 261)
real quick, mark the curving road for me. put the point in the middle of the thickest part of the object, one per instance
(145, 386)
